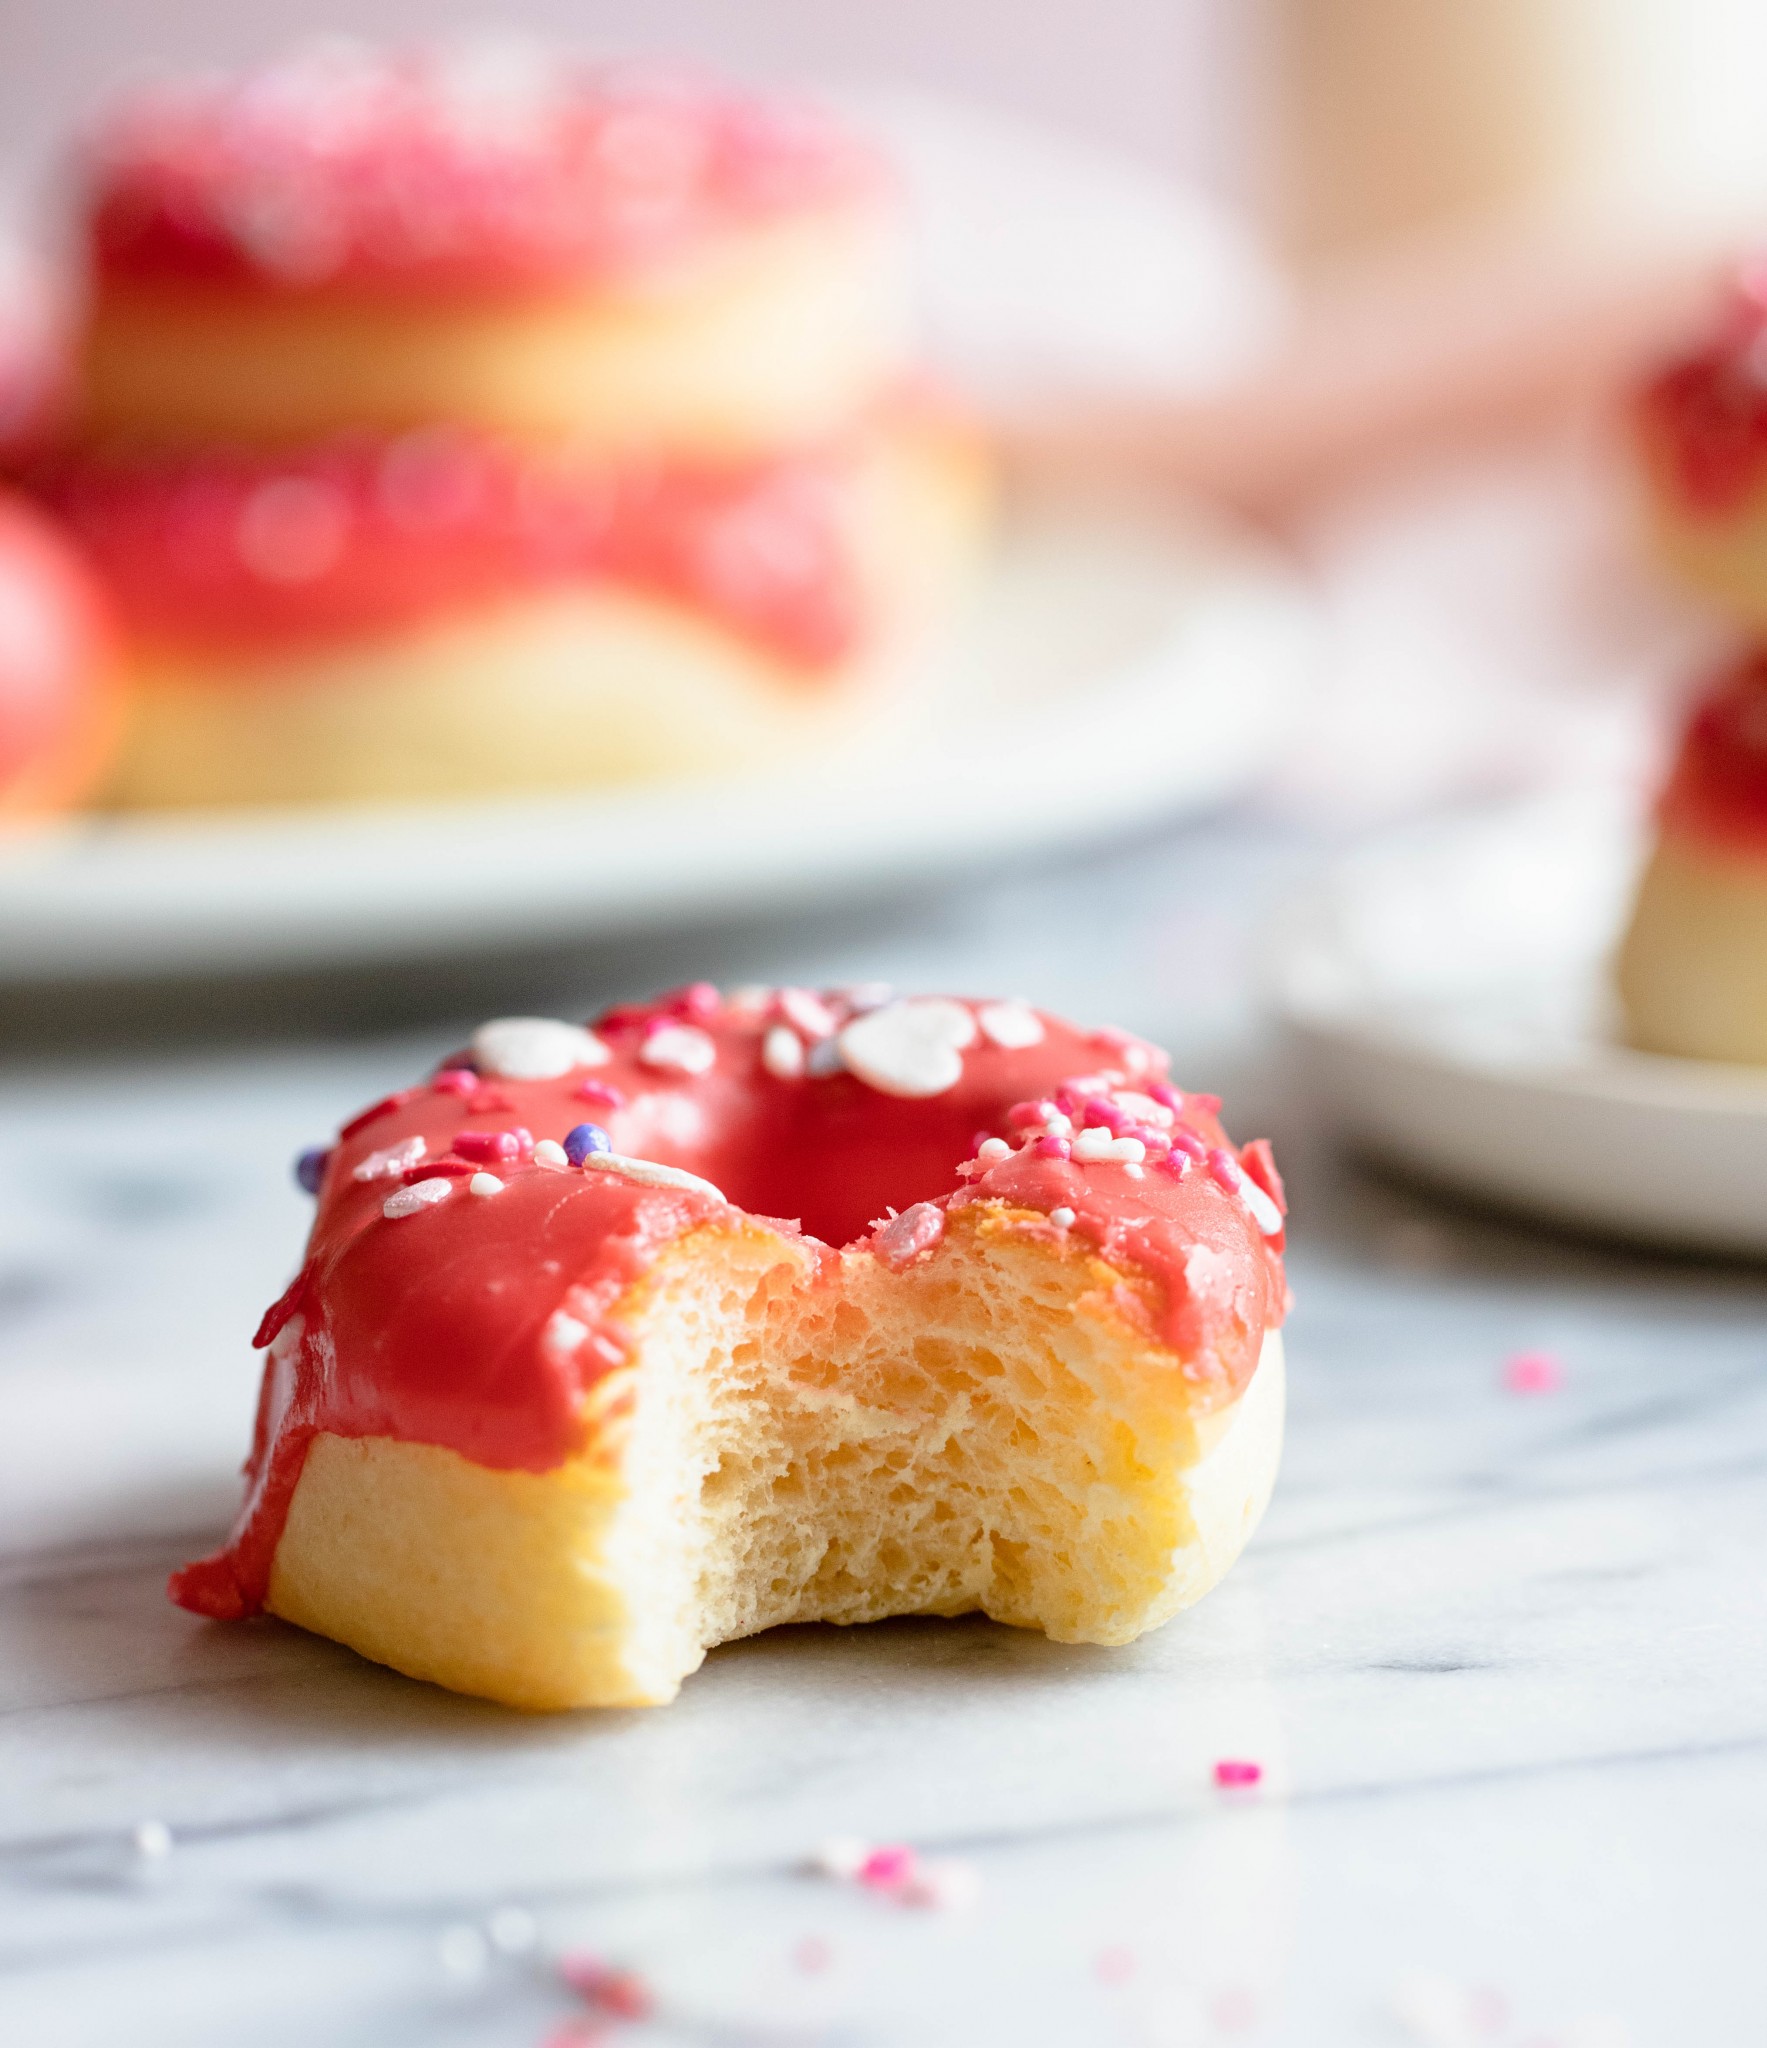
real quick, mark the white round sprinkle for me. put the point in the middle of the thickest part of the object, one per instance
(911, 1049)
(679, 1049)
(782, 1053)
(840, 1856)
(564, 1332)
(1062, 1218)
(152, 1840)
(484, 1184)
(993, 1150)
(549, 1152)
(1096, 1145)
(1011, 1026)
(424, 1195)
(390, 1161)
(463, 1952)
(535, 1048)
(513, 1930)
(651, 1174)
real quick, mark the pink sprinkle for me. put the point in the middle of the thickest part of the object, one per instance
(1022, 1114)
(1223, 1169)
(700, 1000)
(1176, 1163)
(455, 1081)
(1051, 1148)
(620, 1992)
(603, 1092)
(433, 1169)
(489, 1145)
(1237, 1771)
(1533, 1372)
(1099, 1109)
(1187, 1141)
(888, 1868)
(812, 1955)
(1166, 1095)
(1114, 1965)
(905, 1237)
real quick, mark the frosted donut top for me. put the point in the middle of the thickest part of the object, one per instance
(450, 168)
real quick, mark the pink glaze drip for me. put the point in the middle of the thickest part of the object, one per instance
(416, 172)
(434, 1328)
(235, 549)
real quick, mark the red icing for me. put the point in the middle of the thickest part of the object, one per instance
(1717, 791)
(433, 1328)
(420, 171)
(234, 548)
(1706, 414)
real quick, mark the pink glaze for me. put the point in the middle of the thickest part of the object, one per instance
(1716, 794)
(435, 172)
(235, 549)
(439, 1327)
(1705, 415)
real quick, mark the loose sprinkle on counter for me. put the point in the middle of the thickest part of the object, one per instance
(1533, 1372)
(152, 1840)
(309, 1168)
(782, 1053)
(1233, 1772)
(583, 1139)
(484, 1184)
(679, 1049)
(1062, 1218)
(1011, 1026)
(535, 1048)
(423, 1194)
(390, 1161)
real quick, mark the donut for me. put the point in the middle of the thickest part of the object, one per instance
(354, 239)
(1692, 966)
(59, 701)
(616, 1342)
(1701, 428)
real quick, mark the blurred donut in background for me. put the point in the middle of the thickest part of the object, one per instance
(59, 699)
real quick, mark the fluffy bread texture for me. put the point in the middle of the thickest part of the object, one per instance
(1692, 970)
(991, 1429)
(560, 687)
(773, 339)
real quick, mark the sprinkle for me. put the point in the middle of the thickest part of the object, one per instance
(513, 1930)
(1096, 1145)
(535, 1048)
(463, 1953)
(1052, 1147)
(782, 1052)
(1133, 1171)
(449, 1169)
(455, 1081)
(700, 999)
(549, 1152)
(1176, 1163)
(484, 1184)
(993, 1150)
(888, 1868)
(679, 1049)
(812, 1016)
(309, 1169)
(391, 1161)
(1024, 1115)
(152, 1840)
(903, 1238)
(493, 1145)
(603, 1092)
(840, 1856)
(621, 1992)
(1533, 1372)
(582, 1139)
(750, 995)
(1011, 1026)
(946, 1887)
(564, 1334)
(376, 1110)
(410, 1201)
(649, 1173)
(1232, 1771)
(912, 1049)
(1062, 1218)
(824, 1058)
(860, 996)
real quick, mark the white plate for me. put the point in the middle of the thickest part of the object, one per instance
(1448, 992)
(1118, 664)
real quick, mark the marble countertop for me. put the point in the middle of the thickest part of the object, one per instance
(1503, 1657)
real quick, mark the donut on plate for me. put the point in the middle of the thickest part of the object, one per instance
(612, 1344)
(448, 422)
(1692, 969)
(58, 669)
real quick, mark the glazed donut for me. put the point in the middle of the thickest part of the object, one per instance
(59, 704)
(614, 1343)
(362, 240)
(1701, 426)
(1692, 970)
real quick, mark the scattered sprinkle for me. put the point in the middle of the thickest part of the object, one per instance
(152, 1840)
(679, 1049)
(535, 1048)
(622, 1993)
(1238, 1771)
(454, 1081)
(1134, 1171)
(782, 1052)
(549, 1152)
(423, 1194)
(1011, 1026)
(513, 1930)
(582, 1139)
(1051, 1147)
(840, 1856)
(484, 1184)
(463, 1953)
(1533, 1372)
(993, 1150)
(493, 1145)
(1062, 1218)
(1097, 1145)
(700, 999)
(603, 1092)
(806, 1010)
(903, 1238)
(912, 1049)
(888, 1868)
(390, 1161)
(650, 1173)
(309, 1169)
(565, 1334)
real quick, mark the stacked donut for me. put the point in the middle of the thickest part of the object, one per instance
(450, 421)
(1693, 965)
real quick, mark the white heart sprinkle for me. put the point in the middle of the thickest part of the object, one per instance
(1097, 1146)
(484, 1184)
(912, 1048)
(1011, 1026)
(679, 1049)
(391, 1161)
(782, 1053)
(535, 1048)
(423, 1194)
(549, 1152)
(651, 1174)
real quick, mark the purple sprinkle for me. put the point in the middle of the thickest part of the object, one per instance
(583, 1139)
(310, 1167)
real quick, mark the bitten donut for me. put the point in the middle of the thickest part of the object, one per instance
(1692, 967)
(59, 705)
(614, 1343)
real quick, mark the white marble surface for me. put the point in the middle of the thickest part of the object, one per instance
(1501, 1656)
